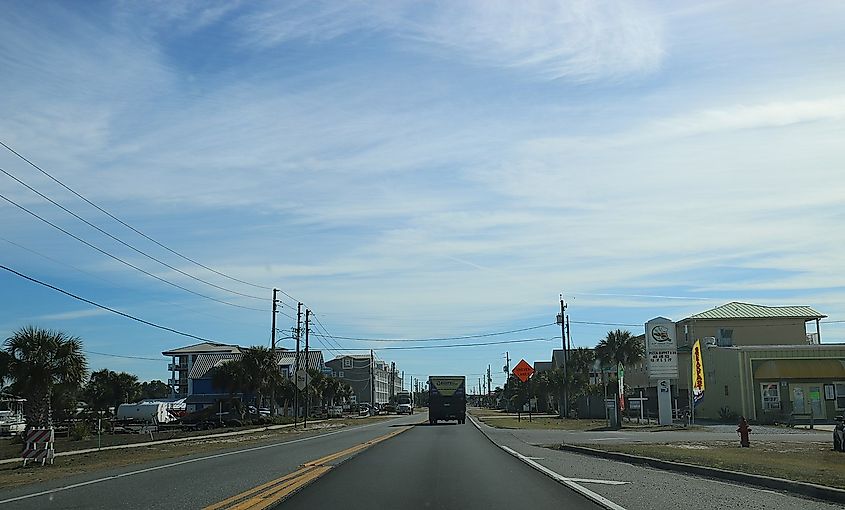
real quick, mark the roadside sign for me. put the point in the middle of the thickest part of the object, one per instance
(523, 370)
(302, 379)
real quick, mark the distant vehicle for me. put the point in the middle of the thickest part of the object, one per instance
(335, 411)
(145, 412)
(447, 398)
(363, 409)
(12, 420)
(403, 399)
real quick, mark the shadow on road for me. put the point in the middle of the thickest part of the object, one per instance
(424, 424)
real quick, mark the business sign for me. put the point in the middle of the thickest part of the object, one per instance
(661, 349)
(620, 377)
(697, 373)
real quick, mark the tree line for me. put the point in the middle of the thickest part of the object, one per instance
(618, 346)
(257, 374)
(49, 369)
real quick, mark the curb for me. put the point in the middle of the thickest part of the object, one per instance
(583, 491)
(804, 488)
(167, 441)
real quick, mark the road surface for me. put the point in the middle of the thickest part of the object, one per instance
(398, 463)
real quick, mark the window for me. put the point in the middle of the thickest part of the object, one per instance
(347, 363)
(340, 374)
(840, 395)
(726, 337)
(770, 393)
(726, 390)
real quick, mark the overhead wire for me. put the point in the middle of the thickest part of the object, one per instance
(130, 227)
(124, 243)
(438, 339)
(104, 307)
(94, 275)
(129, 264)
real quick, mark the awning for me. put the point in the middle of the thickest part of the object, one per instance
(777, 369)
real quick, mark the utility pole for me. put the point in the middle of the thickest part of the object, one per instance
(273, 350)
(307, 393)
(561, 319)
(372, 384)
(296, 362)
(507, 362)
(489, 382)
(392, 380)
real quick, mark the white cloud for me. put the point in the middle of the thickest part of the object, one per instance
(582, 40)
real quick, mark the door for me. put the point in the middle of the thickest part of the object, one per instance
(816, 403)
(798, 401)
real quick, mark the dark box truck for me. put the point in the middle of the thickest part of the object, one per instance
(447, 398)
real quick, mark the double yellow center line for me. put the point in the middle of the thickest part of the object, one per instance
(272, 492)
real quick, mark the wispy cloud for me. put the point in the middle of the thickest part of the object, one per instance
(73, 315)
(580, 40)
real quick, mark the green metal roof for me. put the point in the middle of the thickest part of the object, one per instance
(737, 310)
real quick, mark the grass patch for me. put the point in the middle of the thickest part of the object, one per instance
(814, 462)
(512, 422)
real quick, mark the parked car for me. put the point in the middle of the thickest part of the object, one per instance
(405, 409)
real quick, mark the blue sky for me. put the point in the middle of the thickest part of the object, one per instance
(422, 170)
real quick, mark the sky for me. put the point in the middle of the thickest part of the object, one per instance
(413, 170)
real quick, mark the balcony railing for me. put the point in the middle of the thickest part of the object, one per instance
(176, 367)
(813, 338)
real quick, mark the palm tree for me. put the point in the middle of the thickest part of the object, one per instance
(261, 371)
(230, 377)
(42, 364)
(620, 347)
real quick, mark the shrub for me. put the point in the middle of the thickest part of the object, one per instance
(726, 414)
(79, 431)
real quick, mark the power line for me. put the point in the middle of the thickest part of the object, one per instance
(130, 227)
(465, 337)
(104, 252)
(124, 243)
(106, 280)
(121, 356)
(98, 305)
(417, 347)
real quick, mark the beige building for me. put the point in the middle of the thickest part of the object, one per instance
(760, 362)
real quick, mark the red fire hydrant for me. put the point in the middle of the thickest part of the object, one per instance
(743, 430)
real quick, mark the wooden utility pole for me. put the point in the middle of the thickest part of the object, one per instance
(564, 406)
(372, 384)
(273, 350)
(307, 393)
(296, 363)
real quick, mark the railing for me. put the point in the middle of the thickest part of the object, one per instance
(813, 338)
(172, 367)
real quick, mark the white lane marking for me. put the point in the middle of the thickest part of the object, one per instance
(571, 483)
(590, 480)
(180, 463)
(536, 458)
(598, 498)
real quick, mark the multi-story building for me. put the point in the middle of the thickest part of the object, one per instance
(192, 367)
(382, 384)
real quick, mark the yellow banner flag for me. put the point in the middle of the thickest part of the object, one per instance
(697, 373)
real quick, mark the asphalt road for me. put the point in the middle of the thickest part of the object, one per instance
(194, 481)
(444, 466)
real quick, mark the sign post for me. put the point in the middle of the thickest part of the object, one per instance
(302, 380)
(523, 371)
(662, 363)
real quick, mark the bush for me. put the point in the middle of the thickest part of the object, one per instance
(79, 431)
(727, 415)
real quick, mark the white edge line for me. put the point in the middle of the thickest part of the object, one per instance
(597, 498)
(181, 462)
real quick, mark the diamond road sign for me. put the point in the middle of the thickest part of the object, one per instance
(302, 379)
(523, 370)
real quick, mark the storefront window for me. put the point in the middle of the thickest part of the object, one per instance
(771, 396)
(840, 395)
